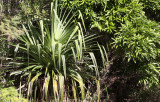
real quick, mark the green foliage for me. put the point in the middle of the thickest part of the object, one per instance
(35, 9)
(57, 56)
(152, 9)
(9, 26)
(10, 94)
(150, 74)
(9, 29)
(151, 4)
(3, 49)
(139, 39)
(107, 15)
(129, 22)
(91, 11)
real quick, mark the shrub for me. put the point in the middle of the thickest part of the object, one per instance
(58, 59)
(10, 94)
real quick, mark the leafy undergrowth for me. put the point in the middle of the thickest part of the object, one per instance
(10, 94)
(121, 84)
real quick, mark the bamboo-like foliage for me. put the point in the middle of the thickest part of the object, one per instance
(57, 62)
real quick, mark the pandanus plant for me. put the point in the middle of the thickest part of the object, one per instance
(58, 62)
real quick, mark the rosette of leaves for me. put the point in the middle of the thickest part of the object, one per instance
(58, 64)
